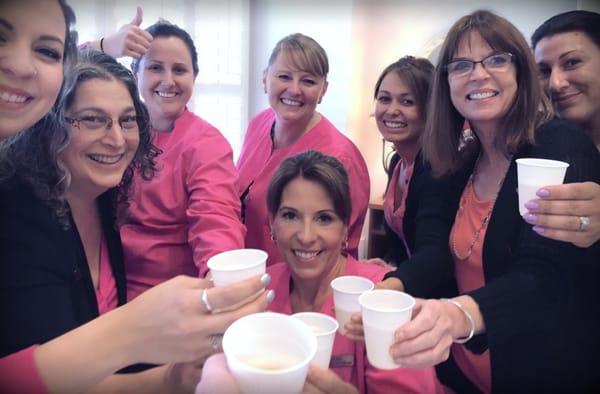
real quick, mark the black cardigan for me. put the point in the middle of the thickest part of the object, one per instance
(539, 302)
(430, 208)
(45, 283)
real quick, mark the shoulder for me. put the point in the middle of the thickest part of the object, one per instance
(370, 271)
(560, 134)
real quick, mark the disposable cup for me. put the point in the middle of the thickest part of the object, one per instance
(236, 265)
(269, 352)
(536, 173)
(324, 328)
(383, 312)
(346, 290)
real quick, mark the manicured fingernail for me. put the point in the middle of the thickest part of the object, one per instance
(530, 217)
(399, 336)
(265, 279)
(543, 193)
(270, 296)
(532, 205)
(538, 229)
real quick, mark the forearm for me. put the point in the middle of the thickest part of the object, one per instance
(83, 357)
(150, 381)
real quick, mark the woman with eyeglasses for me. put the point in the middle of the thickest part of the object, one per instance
(61, 331)
(521, 302)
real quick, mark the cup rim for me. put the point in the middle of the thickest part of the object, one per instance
(228, 268)
(340, 278)
(312, 345)
(392, 309)
(322, 316)
(539, 162)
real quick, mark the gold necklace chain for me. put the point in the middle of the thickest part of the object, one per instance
(486, 218)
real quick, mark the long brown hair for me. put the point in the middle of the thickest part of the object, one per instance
(529, 110)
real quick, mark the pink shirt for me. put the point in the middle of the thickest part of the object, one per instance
(19, 373)
(469, 276)
(106, 292)
(189, 212)
(257, 164)
(357, 371)
(394, 217)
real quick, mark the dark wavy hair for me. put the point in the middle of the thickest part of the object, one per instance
(313, 166)
(163, 28)
(36, 153)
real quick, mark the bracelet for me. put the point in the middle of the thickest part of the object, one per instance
(102, 44)
(467, 315)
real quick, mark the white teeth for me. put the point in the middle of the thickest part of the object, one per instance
(305, 255)
(481, 96)
(293, 103)
(12, 98)
(104, 159)
(166, 94)
(394, 125)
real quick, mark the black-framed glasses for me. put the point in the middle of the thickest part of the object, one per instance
(495, 62)
(102, 122)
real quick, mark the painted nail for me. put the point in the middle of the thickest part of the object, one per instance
(532, 205)
(543, 193)
(270, 296)
(538, 229)
(265, 279)
(530, 217)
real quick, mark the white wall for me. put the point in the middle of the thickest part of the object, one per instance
(361, 37)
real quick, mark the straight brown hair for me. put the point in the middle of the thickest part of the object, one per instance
(530, 108)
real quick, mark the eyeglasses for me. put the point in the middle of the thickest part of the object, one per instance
(495, 62)
(99, 122)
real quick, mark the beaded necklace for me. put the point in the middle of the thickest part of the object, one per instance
(486, 218)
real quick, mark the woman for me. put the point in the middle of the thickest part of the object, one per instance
(295, 81)
(190, 211)
(517, 291)
(417, 212)
(567, 50)
(309, 211)
(37, 42)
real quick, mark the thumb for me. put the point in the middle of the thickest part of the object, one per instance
(139, 15)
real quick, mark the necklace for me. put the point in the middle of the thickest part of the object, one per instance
(486, 218)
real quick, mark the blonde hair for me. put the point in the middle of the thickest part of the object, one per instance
(304, 52)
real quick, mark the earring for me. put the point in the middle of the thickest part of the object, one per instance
(345, 244)
(265, 88)
(466, 137)
(273, 236)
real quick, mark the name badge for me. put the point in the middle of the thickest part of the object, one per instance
(345, 360)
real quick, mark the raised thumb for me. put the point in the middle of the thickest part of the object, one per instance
(139, 15)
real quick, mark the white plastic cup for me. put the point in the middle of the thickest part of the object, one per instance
(346, 290)
(269, 352)
(236, 265)
(383, 312)
(536, 173)
(324, 328)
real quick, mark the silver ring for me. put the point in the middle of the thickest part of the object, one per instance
(204, 299)
(215, 342)
(584, 222)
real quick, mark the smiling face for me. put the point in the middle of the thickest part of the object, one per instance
(569, 64)
(32, 37)
(308, 232)
(482, 96)
(293, 94)
(166, 79)
(398, 117)
(97, 158)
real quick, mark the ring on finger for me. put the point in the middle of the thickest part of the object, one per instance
(215, 342)
(204, 299)
(584, 222)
